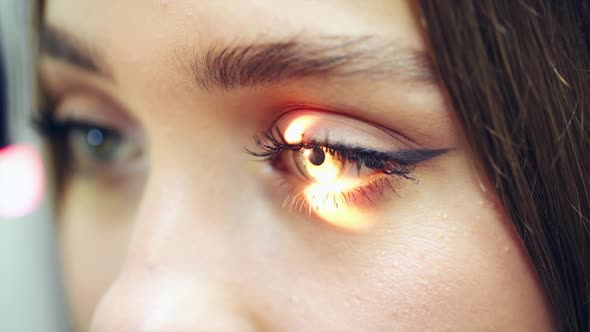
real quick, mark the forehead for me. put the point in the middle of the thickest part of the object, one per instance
(146, 43)
(155, 22)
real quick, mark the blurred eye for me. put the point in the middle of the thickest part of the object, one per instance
(93, 138)
(338, 166)
(91, 148)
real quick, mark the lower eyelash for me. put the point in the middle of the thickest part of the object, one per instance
(366, 193)
(343, 205)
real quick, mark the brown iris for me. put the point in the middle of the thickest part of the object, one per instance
(318, 165)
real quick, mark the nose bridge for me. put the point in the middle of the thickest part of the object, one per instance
(184, 208)
(174, 275)
(166, 301)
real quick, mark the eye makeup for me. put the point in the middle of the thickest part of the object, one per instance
(337, 166)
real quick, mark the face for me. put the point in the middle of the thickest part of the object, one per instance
(241, 165)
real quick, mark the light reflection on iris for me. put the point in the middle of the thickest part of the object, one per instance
(295, 131)
(328, 171)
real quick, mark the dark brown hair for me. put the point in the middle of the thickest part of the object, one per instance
(518, 74)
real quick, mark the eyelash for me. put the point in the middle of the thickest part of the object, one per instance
(358, 156)
(48, 126)
(394, 165)
(58, 134)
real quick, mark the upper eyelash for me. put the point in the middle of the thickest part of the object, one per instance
(48, 126)
(391, 163)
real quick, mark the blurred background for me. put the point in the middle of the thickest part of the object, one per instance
(30, 292)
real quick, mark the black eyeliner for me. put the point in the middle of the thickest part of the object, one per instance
(48, 126)
(373, 158)
(391, 162)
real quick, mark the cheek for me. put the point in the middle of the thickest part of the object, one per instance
(442, 261)
(92, 229)
(459, 266)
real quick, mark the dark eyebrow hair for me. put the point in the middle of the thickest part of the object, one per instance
(61, 45)
(264, 63)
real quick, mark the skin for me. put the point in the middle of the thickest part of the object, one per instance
(194, 237)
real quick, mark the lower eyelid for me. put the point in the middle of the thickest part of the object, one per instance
(344, 209)
(368, 185)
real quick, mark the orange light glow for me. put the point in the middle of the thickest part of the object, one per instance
(296, 129)
(327, 172)
(328, 201)
(331, 195)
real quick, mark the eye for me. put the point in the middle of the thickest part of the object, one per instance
(92, 149)
(339, 167)
(316, 164)
(320, 164)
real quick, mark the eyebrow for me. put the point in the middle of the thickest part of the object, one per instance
(257, 64)
(266, 63)
(64, 46)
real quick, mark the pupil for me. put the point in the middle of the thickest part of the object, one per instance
(95, 137)
(317, 156)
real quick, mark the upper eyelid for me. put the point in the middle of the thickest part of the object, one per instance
(404, 157)
(72, 124)
(121, 126)
(376, 159)
(60, 82)
(307, 118)
(395, 136)
(371, 158)
(47, 125)
(59, 79)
